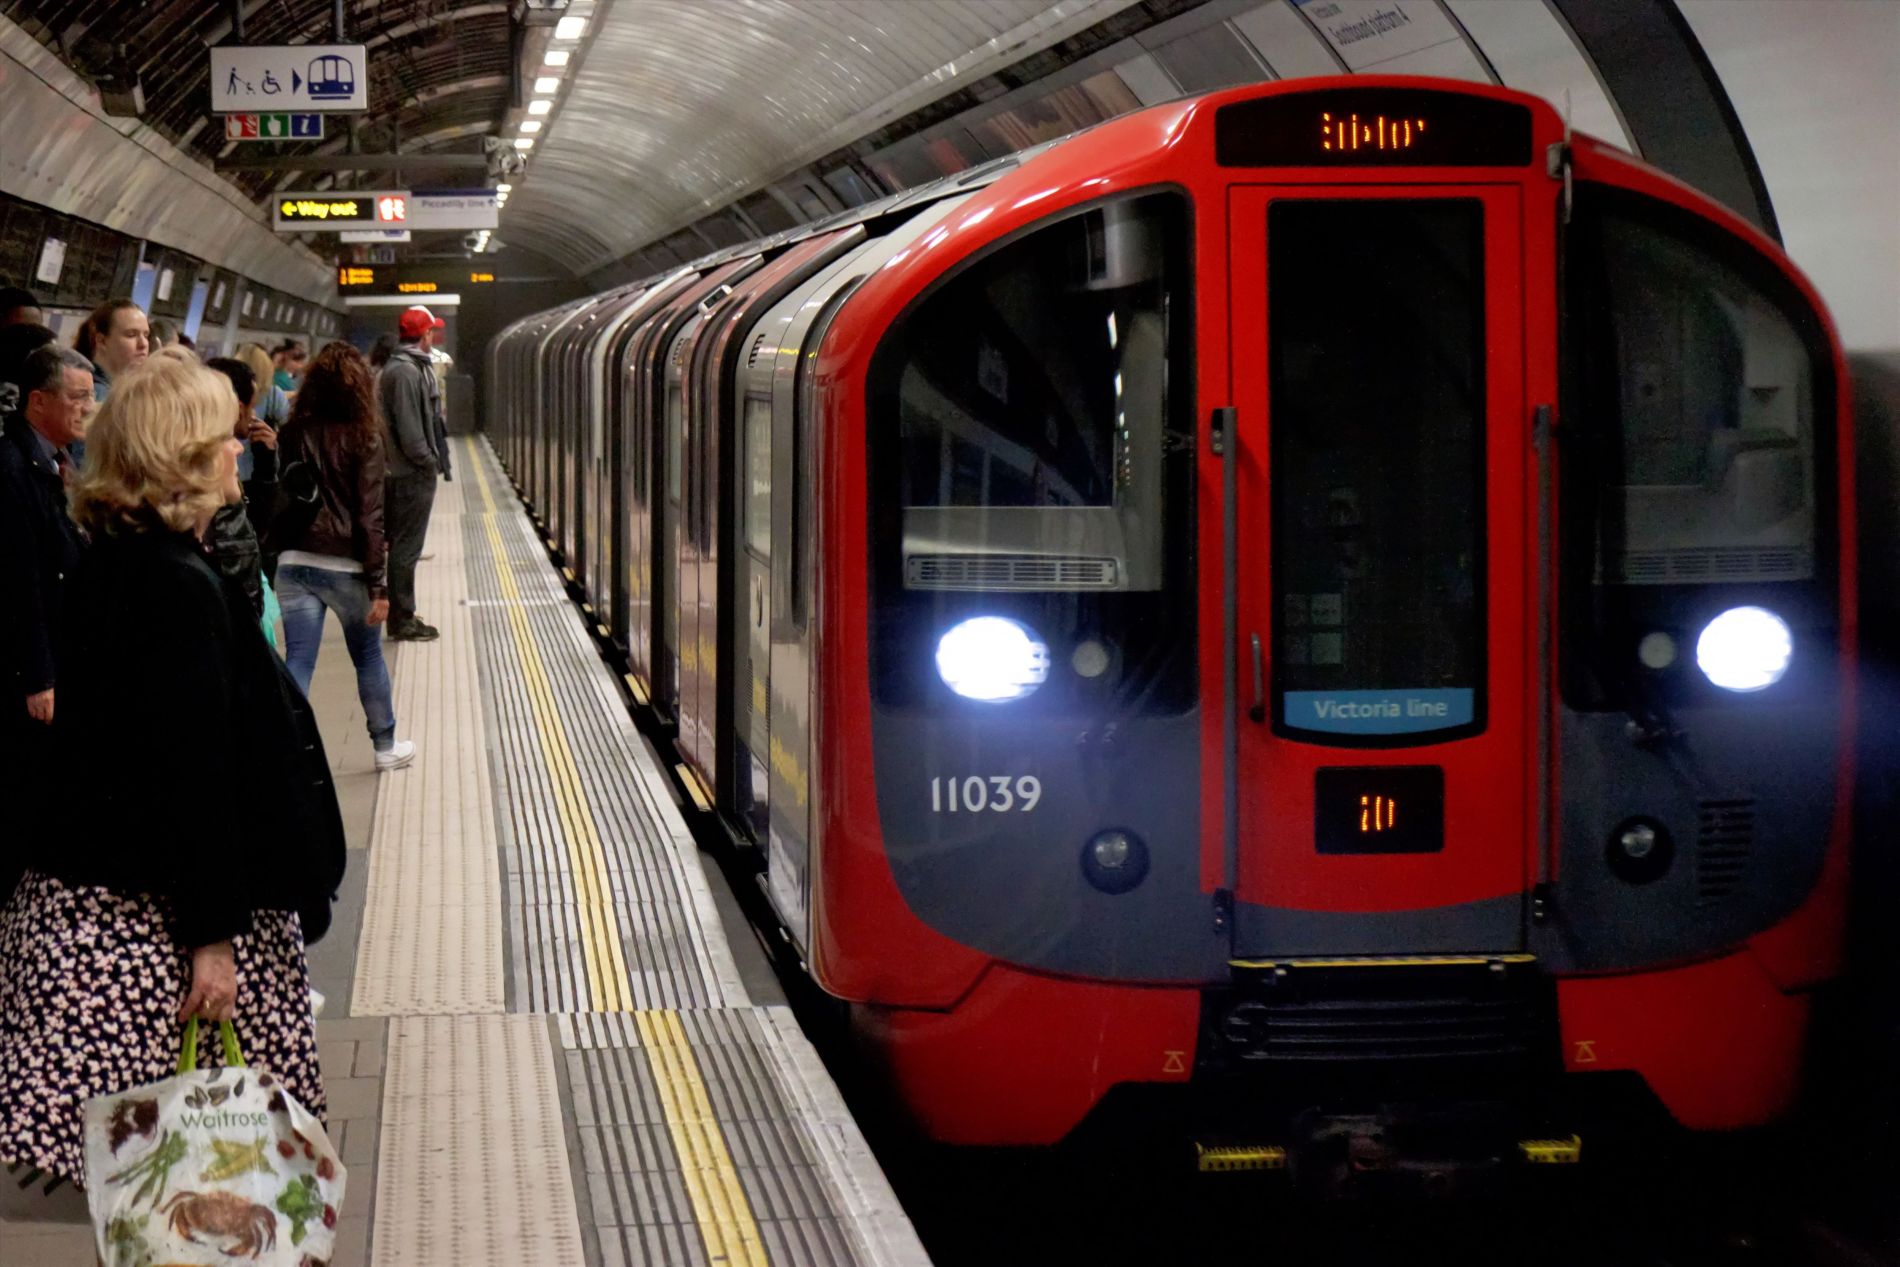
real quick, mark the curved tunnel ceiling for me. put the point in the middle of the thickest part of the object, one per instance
(417, 49)
(681, 105)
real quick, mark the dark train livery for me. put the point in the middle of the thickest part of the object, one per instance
(1294, 590)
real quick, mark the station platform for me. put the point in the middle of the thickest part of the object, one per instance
(548, 1038)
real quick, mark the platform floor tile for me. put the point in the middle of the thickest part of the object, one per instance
(473, 1169)
(432, 940)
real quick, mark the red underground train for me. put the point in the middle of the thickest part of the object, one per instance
(1336, 590)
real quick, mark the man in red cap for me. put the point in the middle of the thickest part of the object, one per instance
(418, 448)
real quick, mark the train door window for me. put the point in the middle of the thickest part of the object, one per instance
(1376, 391)
(1694, 377)
(757, 437)
(1022, 463)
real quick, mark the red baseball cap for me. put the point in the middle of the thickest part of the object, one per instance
(418, 321)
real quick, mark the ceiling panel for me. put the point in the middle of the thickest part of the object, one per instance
(680, 106)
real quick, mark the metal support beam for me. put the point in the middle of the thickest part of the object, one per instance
(237, 20)
(355, 163)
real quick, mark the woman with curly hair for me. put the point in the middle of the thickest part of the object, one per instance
(173, 889)
(333, 557)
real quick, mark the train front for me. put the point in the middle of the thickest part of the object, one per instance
(1334, 593)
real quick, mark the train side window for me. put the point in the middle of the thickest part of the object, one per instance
(1694, 378)
(804, 440)
(756, 434)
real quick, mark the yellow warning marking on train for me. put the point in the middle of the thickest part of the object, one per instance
(568, 573)
(1384, 961)
(694, 788)
(638, 687)
(601, 950)
(1552, 1152)
(724, 1215)
(1213, 1158)
(588, 608)
(604, 631)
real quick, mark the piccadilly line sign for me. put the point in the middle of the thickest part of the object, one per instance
(383, 209)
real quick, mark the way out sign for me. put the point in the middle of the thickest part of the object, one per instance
(289, 77)
(273, 127)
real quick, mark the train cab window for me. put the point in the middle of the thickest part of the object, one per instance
(1024, 465)
(1693, 470)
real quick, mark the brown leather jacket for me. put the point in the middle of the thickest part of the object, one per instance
(349, 520)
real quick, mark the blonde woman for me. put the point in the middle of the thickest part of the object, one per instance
(189, 877)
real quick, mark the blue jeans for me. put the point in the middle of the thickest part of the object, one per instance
(304, 593)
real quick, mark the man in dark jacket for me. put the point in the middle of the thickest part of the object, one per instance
(411, 402)
(39, 550)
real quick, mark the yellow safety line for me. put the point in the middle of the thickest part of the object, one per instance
(726, 1223)
(600, 942)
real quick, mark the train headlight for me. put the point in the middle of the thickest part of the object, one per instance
(1745, 649)
(992, 658)
(1115, 860)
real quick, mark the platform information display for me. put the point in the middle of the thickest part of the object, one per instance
(301, 77)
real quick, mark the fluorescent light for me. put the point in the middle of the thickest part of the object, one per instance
(548, 85)
(504, 188)
(531, 125)
(524, 142)
(540, 105)
(558, 56)
(570, 28)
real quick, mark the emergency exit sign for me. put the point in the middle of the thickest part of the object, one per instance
(273, 127)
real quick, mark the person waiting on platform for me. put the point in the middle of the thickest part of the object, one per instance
(272, 406)
(288, 363)
(39, 552)
(20, 308)
(233, 540)
(411, 402)
(17, 342)
(115, 338)
(189, 875)
(334, 557)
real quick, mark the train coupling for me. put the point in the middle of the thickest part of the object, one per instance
(1429, 1151)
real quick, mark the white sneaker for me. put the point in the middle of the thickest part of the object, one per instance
(396, 756)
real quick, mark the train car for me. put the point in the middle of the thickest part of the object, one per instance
(1337, 591)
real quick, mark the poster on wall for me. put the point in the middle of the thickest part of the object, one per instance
(52, 262)
(165, 285)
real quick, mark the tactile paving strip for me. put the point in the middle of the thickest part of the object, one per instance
(432, 926)
(608, 907)
(751, 1083)
(473, 1168)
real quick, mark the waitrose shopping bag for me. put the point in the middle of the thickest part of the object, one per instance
(210, 1167)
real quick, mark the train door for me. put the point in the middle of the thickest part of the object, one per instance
(1379, 570)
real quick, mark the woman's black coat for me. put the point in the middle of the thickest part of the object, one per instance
(203, 777)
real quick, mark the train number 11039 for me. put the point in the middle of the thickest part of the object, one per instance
(998, 793)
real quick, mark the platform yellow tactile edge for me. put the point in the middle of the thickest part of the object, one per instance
(609, 987)
(720, 1207)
